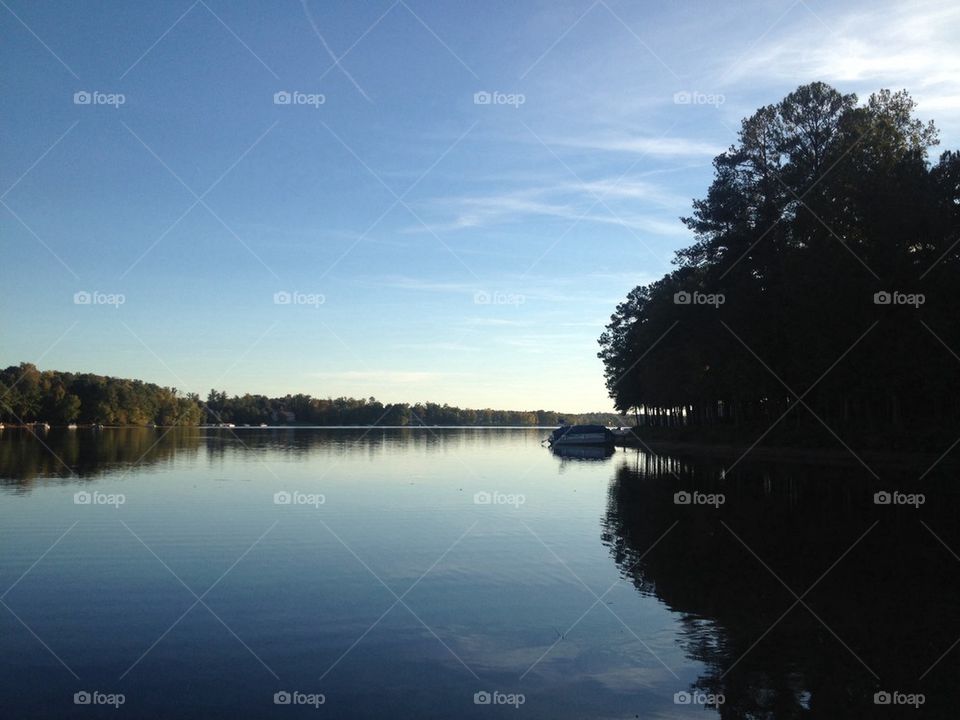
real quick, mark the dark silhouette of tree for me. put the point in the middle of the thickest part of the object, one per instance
(822, 204)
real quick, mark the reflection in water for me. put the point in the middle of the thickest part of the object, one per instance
(875, 591)
(85, 453)
(878, 588)
(582, 452)
(62, 453)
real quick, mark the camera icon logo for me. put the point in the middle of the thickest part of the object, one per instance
(682, 298)
(482, 98)
(882, 298)
(683, 97)
(882, 698)
(282, 298)
(82, 97)
(482, 698)
(882, 498)
(682, 698)
(282, 97)
(282, 698)
(81, 698)
(482, 498)
(82, 498)
(282, 498)
(682, 498)
(82, 297)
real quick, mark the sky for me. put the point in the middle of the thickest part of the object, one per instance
(412, 200)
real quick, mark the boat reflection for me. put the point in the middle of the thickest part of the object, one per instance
(582, 452)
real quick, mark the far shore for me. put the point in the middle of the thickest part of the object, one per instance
(638, 439)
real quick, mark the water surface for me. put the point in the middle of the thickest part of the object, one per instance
(412, 569)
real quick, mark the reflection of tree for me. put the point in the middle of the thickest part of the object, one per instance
(889, 600)
(25, 456)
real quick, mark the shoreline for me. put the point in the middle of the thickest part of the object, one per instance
(795, 455)
(721, 450)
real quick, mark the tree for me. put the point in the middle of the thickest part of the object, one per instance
(821, 204)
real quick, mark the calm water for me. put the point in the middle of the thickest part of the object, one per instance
(413, 569)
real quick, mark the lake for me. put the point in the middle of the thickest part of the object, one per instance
(448, 573)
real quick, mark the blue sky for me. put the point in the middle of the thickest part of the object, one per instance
(433, 246)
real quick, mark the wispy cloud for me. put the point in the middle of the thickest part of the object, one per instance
(496, 322)
(441, 346)
(482, 210)
(641, 190)
(403, 282)
(620, 142)
(589, 201)
(390, 377)
(896, 45)
(589, 288)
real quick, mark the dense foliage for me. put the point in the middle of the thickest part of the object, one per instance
(821, 287)
(29, 395)
(255, 409)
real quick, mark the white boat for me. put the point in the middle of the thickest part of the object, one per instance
(581, 435)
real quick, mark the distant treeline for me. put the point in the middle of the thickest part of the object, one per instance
(821, 292)
(29, 395)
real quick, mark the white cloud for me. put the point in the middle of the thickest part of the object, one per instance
(912, 46)
(496, 322)
(402, 282)
(590, 202)
(644, 145)
(610, 188)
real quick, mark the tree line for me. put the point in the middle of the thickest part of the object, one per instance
(255, 409)
(60, 398)
(819, 293)
(30, 395)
